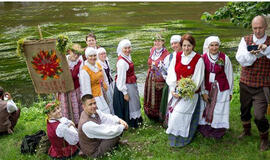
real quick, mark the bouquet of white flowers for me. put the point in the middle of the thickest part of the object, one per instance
(185, 88)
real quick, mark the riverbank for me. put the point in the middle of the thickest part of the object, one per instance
(149, 141)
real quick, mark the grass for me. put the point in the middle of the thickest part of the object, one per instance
(149, 141)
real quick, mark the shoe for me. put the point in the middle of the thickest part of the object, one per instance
(264, 141)
(246, 131)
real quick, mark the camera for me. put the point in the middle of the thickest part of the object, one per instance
(252, 47)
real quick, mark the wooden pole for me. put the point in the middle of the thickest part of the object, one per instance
(40, 33)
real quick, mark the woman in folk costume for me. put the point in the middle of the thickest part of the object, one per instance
(217, 90)
(92, 79)
(155, 82)
(104, 62)
(61, 133)
(175, 45)
(126, 100)
(184, 115)
(70, 102)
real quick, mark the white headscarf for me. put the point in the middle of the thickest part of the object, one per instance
(208, 41)
(123, 43)
(90, 51)
(175, 38)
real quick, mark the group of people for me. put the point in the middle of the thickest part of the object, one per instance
(102, 107)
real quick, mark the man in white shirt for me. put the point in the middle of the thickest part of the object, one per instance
(98, 132)
(255, 79)
(9, 113)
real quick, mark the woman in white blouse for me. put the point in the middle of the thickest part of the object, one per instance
(155, 81)
(92, 80)
(184, 113)
(103, 60)
(217, 90)
(70, 102)
(126, 100)
(61, 132)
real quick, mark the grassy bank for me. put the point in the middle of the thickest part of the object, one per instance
(149, 141)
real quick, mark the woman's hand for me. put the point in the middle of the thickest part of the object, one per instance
(126, 97)
(206, 98)
(175, 95)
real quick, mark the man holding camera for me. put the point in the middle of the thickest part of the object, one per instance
(9, 113)
(253, 54)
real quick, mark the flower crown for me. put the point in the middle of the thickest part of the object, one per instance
(50, 107)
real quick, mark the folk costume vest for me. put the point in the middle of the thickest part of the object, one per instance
(74, 72)
(59, 147)
(95, 80)
(130, 76)
(4, 117)
(258, 74)
(158, 75)
(88, 145)
(218, 70)
(184, 71)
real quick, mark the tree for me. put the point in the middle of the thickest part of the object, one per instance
(239, 13)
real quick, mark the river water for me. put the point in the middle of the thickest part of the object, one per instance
(111, 22)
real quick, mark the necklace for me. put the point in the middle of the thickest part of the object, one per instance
(214, 59)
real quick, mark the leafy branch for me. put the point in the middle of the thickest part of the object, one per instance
(239, 13)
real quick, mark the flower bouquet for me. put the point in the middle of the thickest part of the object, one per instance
(185, 88)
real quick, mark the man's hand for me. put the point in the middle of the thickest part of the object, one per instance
(126, 97)
(123, 123)
(254, 52)
(262, 47)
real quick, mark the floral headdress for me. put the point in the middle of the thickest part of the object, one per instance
(50, 107)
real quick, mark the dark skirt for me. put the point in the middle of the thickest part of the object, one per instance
(121, 109)
(179, 141)
(208, 131)
(163, 103)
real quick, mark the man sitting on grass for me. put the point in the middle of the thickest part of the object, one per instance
(98, 132)
(9, 113)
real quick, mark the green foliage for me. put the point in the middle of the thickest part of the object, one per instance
(239, 13)
(63, 43)
(19, 49)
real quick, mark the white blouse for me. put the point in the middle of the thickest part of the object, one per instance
(109, 127)
(11, 106)
(245, 58)
(66, 130)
